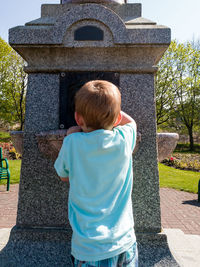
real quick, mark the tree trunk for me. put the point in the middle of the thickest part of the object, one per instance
(190, 132)
(21, 126)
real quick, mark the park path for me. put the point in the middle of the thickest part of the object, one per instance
(8, 206)
(179, 209)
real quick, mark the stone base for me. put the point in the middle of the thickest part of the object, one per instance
(47, 247)
(36, 247)
(153, 250)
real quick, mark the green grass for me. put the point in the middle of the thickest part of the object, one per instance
(14, 167)
(178, 179)
(4, 137)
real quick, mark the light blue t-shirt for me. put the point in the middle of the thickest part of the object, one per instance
(99, 167)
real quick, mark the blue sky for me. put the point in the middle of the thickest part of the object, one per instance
(182, 16)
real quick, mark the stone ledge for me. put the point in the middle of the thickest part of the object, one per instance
(137, 59)
(44, 35)
(124, 10)
(20, 233)
(156, 238)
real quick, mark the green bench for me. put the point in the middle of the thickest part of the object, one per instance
(4, 170)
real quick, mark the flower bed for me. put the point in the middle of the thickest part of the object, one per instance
(9, 151)
(184, 161)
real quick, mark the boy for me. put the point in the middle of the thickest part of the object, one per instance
(96, 157)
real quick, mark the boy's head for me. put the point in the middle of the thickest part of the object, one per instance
(98, 103)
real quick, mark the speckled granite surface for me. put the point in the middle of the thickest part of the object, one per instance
(131, 48)
(138, 101)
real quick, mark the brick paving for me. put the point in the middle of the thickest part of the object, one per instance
(8, 206)
(178, 209)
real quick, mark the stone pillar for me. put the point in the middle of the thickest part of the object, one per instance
(42, 198)
(106, 37)
(139, 101)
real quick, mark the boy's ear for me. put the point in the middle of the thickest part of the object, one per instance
(118, 120)
(78, 119)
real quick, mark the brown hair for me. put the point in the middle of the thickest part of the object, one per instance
(99, 103)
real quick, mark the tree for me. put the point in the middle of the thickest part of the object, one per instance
(178, 88)
(187, 87)
(12, 86)
(163, 84)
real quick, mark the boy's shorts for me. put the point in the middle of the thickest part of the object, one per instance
(128, 258)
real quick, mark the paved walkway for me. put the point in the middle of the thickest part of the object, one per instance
(8, 206)
(179, 209)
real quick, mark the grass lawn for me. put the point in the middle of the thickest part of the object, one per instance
(178, 179)
(4, 137)
(14, 167)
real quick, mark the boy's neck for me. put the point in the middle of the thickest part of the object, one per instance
(86, 129)
(81, 123)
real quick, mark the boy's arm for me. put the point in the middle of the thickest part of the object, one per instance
(59, 164)
(125, 118)
(73, 129)
(64, 179)
(129, 130)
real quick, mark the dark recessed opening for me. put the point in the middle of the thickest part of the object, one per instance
(70, 83)
(88, 33)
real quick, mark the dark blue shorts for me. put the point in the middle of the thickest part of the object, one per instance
(128, 258)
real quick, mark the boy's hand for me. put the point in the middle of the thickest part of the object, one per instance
(125, 118)
(64, 179)
(74, 129)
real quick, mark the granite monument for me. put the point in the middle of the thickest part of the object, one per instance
(71, 43)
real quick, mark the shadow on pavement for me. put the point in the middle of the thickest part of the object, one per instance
(193, 202)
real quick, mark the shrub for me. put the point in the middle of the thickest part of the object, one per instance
(13, 154)
(9, 151)
(184, 161)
